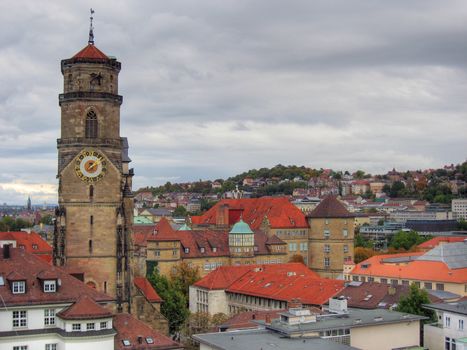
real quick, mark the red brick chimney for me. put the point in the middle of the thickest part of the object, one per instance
(222, 215)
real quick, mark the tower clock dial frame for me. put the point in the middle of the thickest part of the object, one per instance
(90, 165)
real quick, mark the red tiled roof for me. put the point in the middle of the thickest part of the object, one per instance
(214, 243)
(32, 243)
(91, 51)
(330, 207)
(84, 309)
(287, 282)
(147, 289)
(278, 210)
(223, 277)
(30, 267)
(430, 244)
(129, 328)
(276, 281)
(420, 270)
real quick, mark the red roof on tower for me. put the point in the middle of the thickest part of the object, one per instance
(92, 52)
(330, 207)
(84, 308)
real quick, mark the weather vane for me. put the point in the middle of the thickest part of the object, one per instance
(91, 29)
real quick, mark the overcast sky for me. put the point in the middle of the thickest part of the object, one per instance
(214, 88)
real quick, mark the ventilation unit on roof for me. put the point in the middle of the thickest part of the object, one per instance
(291, 273)
(365, 266)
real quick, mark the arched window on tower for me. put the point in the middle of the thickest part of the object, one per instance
(91, 125)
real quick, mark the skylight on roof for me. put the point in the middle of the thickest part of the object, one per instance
(2, 281)
(149, 340)
(126, 342)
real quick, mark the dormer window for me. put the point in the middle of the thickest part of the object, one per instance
(50, 286)
(18, 287)
(214, 249)
(126, 342)
(201, 249)
(35, 247)
(187, 250)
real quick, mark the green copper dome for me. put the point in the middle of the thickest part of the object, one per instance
(185, 227)
(241, 227)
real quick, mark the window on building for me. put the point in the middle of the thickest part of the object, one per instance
(20, 347)
(371, 279)
(90, 326)
(326, 222)
(51, 346)
(174, 252)
(417, 284)
(460, 325)
(35, 246)
(327, 262)
(20, 318)
(447, 322)
(90, 246)
(103, 325)
(327, 233)
(439, 286)
(18, 287)
(394, 282)
(91, 220)
(157, 253)
(76, 326)
(91, 125)
(50, 286)
(428, 285)
(449, 343)
(345, 232)
(202, 250)
(49, 317)
(384, 280)
(346, 248)
(327, 248)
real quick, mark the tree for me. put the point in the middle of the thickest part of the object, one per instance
(361, 241)
(183, 276)
(359, 174)
(406, 240)
(47, 220)
(175, 303)
(200, 322)
(180, 211)
(412, 303)
(361, 254)
(297, 258)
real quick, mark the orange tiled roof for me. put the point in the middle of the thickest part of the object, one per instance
(421, 270)
(91, 51)
(130, 329)
(223, 277)
(84, 308)
(147, 289)
(430, 244)
(278, 210)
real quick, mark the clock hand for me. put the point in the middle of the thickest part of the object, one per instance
(97, 162)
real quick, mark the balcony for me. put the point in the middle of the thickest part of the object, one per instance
(89, 95)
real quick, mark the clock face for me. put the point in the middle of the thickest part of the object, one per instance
(90, 165)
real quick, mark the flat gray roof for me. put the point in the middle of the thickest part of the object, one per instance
(355, 318)
(266, 340)
(458, 307)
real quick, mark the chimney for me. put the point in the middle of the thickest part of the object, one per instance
(6, 251)
(222, 215)
(295, 303)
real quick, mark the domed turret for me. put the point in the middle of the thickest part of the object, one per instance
(241, 240)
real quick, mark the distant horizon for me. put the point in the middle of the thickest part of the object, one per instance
(212, 89)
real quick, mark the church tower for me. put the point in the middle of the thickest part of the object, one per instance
(93, 221)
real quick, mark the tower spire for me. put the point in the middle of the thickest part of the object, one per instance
(91, 28)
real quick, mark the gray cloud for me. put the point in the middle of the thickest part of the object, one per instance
(214, 88)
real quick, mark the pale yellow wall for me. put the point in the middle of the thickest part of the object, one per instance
(386, 336)
(433, 337)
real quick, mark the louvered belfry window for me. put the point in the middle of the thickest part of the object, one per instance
(91, 125)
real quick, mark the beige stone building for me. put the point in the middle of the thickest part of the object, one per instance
(331, 238)
(92, 238)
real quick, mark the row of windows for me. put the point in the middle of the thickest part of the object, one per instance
(25, 347)
(303, 247)
(20, 320)
(291, 232)
(395, 282)
(212, 266)
(447, 323)
(327, 233)
(19, 287)
(327, 248)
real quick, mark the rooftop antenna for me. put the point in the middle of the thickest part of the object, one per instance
(91, 29)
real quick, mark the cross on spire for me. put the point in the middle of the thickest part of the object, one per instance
(91, 28)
